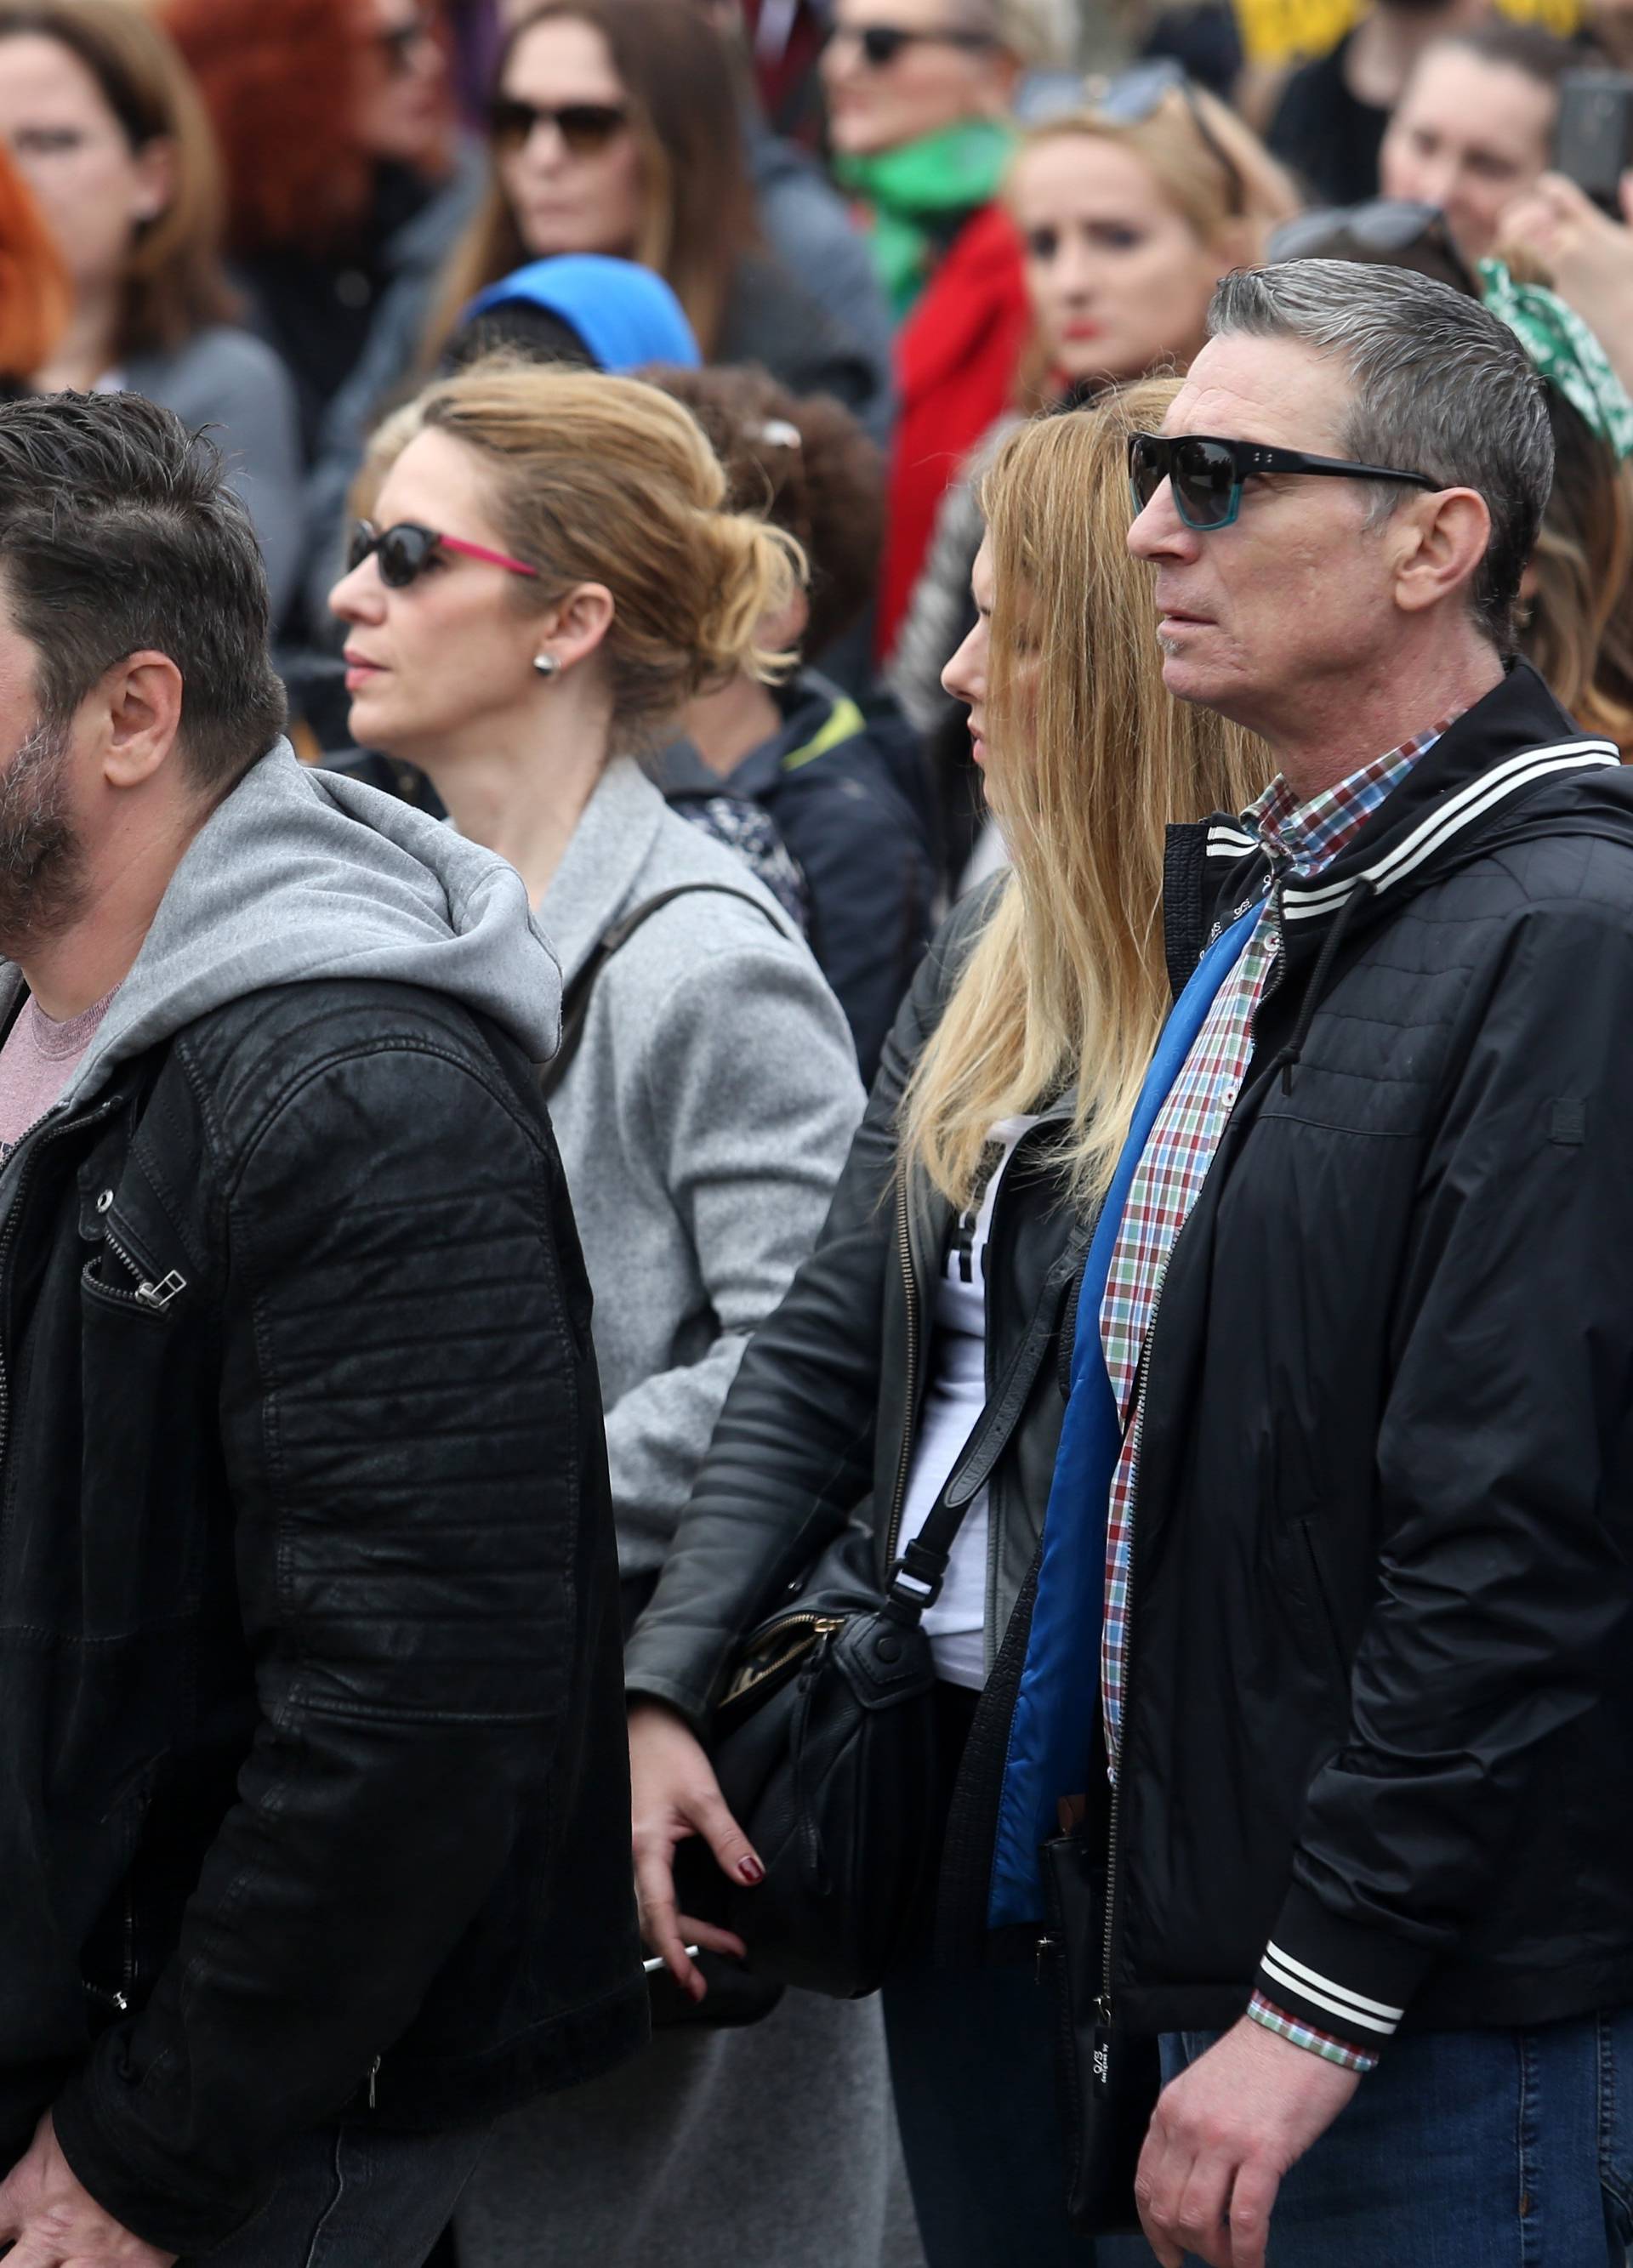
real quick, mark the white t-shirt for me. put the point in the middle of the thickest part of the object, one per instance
(954, 1399)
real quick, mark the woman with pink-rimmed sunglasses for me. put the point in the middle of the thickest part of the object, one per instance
(547, 577)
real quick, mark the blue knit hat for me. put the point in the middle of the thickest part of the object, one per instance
(625, 315)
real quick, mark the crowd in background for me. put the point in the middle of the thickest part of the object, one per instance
(282, 216)
(405, 261)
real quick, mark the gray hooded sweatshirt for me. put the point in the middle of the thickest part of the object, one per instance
(301, 876)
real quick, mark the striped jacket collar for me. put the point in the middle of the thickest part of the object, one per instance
(1512, 758)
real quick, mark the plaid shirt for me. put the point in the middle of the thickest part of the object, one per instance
(1300, 839)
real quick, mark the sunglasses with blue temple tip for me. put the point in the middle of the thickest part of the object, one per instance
(1207, 475)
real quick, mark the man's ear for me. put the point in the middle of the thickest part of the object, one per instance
(1438, 542)
(140, 705)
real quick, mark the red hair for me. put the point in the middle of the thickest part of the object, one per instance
(35, 294)
(281, 78)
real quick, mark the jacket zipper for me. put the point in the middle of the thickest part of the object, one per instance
(1273, 978)
(898, 1495)
(1067, 1348)
(155, 1296)
(13, 1214)
(1103, 2004)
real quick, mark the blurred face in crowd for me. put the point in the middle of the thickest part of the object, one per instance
(1469, 135)
(966, 675)
(927, 82)
(92, 188)
(401, 108)
(430, 663)
(1299, 593)
(574, 185)
(1119, 280)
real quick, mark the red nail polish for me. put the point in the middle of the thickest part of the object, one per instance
(750, 1870)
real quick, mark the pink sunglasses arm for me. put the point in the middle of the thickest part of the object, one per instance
(493, 559)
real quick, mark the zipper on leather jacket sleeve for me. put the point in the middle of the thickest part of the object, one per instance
(898, 1494)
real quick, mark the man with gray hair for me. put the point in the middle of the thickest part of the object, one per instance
(1367, 1320)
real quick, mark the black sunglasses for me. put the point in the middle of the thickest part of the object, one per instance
(1138, 93)
(882, 43)
(405, 552)
(1207, 475)
(584, 126)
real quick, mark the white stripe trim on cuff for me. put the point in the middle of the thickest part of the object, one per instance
(1308, 1992)
(1296, 1972)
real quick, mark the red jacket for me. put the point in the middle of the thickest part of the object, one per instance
(956, 361)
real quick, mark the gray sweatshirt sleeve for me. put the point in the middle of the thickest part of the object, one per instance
(748, 1082)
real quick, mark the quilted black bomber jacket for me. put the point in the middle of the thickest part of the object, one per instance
(313, 1794)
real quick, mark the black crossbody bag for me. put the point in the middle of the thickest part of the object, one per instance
(575, 999)
(824, 1744)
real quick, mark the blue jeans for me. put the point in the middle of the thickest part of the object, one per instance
(352, 2196)
(1500, 2149)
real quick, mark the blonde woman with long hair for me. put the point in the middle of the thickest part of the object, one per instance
(1128, 214)
(1006, 1089)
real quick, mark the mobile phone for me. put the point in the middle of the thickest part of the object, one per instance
(1593, 140)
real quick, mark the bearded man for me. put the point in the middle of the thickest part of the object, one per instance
(313, 1797)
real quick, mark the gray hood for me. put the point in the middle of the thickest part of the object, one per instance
(301, 875)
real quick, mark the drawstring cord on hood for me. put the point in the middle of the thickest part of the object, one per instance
(1294, 1050)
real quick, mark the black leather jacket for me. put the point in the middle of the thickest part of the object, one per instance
(821, 1417)
(313, 1797)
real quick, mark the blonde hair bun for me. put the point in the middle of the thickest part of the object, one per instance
(597, 479)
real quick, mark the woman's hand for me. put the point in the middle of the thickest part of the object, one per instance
(675, 1793)
(1589, 255)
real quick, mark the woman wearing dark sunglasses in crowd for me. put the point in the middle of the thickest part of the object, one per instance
(346, 183)
(548, 579)
(615, 129)
(918, 95)
(1129, 212)
(1004, 1094)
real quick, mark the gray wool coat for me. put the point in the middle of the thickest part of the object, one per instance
(703, 1123)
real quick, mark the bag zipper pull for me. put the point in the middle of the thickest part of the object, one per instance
(373, 2076)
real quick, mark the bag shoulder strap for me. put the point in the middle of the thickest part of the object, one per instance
(916, 1579)
(575, 999)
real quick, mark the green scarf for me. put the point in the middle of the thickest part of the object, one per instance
(1566, 352)
(909, 189)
